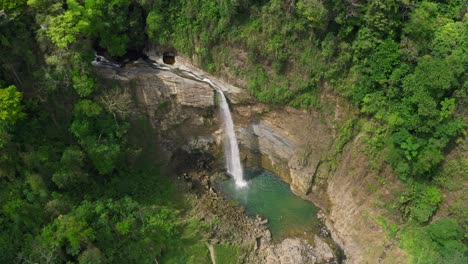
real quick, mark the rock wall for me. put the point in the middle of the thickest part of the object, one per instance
(181, 110)
(297, 145)
(355, 204)
(292, 143)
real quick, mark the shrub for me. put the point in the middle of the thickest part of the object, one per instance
(420, 202)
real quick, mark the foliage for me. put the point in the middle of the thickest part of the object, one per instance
(70, 171)
(98, 134)
(153, 22)
(120, 230)
(72, 189)
(11, 109)
(440, 242)
(314, 11)
(67, 160)
(345, 134)
(420, 202)
(113, 24)
(226, 253)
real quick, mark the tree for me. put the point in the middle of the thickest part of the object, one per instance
(98, 134)
(104, 154)
(314, 11)
(13, 6)
(383, 16)
(153, 25)
(66, 28)
(91, 255)
(116, 101)
(110, 24)
(11, 109)
(422, 22)
(450, 38)
(124, 230)
(70, 171)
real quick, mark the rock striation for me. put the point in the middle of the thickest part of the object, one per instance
(290, 142)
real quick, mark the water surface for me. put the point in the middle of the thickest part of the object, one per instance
(266, 195)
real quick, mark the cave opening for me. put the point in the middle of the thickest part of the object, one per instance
(169, 57)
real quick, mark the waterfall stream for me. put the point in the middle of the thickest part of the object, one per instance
(231, 147)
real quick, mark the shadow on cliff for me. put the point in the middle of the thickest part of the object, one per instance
(252, 157)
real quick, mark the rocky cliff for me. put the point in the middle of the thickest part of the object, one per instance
(297, 145)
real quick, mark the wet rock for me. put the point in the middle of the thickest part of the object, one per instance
(323, 251)
(324, 232)
(292, 251)
(221, 176)
(213, 193)
(199, 144)
(257, 244)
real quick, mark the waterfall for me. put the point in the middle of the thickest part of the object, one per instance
(231, 148)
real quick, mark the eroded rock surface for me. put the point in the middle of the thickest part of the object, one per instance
(287, 141)
(181, 110)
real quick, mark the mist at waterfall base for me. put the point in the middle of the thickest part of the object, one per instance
(288, 215)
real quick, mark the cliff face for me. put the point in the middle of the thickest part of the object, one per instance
(290, 142)
(182, 110)
(295, 144)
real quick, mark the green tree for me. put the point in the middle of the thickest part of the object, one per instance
(314, 11)
(422, 22)
(13, 6)
(112, 231)
(153, 25)
(420, 202)
(450, 38)
(98, 134)
(70, 171)
(11, 109)
(66, 28)
(110, 24)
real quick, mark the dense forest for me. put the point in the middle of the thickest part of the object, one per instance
(78, 182)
